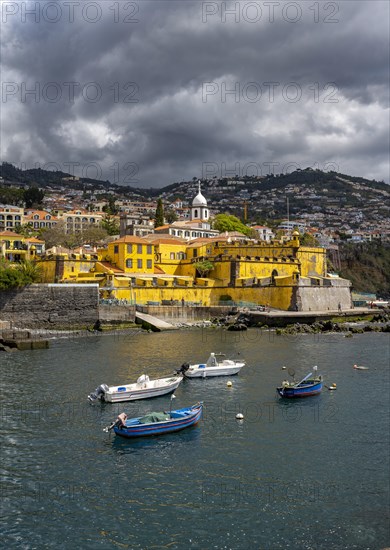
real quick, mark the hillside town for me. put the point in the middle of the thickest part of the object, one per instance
(176, 249)
(350, 209)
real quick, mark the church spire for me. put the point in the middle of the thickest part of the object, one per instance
(199, 210)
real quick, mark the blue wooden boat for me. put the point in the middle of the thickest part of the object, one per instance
(306, 387)
(157, 423)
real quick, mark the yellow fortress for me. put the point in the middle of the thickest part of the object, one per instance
(162, 269)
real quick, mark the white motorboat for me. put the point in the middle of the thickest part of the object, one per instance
(142, 389)
(215, 366)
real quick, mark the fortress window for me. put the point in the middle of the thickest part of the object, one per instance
(129, 263)
(149, 264)
(149, 249)
(139, 264)
(129, 248)
(139, 248)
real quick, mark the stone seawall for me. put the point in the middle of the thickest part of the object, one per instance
(324, 298)
(51, 306)
(116, 314)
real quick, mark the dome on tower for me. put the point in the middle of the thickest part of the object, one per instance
(199, 200)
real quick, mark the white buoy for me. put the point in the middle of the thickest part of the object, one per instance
(240, 416)
(284, 368)
(229, 384)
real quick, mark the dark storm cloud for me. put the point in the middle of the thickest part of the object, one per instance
(155, 90)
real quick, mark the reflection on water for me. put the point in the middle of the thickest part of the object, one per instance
(305, 474)
(178, 442)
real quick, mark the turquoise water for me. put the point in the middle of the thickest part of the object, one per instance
(310, 474)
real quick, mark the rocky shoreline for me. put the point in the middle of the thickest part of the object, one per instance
(22, 339)
(379, 323)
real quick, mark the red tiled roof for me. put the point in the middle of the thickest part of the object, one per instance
(110, 266)
(10, 234)
(34, 240)
(130, 239)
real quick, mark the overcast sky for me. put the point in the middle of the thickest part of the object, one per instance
(151, 92)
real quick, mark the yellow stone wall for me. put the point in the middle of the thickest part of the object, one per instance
(313, 261)
(251, 266)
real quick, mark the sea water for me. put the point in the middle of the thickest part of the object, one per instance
(294, 474)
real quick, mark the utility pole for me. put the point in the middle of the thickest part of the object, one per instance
(288, 218)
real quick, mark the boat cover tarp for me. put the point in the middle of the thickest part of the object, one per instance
(154, 417)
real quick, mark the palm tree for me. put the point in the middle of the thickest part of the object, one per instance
(31, 272)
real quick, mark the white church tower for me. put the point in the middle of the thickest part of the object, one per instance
(199, 210)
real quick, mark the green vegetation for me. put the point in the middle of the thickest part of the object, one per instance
(111, 208)
(225, 222)
(110, 226)
(308, 240)
(57, 236)
(367, 266)
(11, 196)
(171, 216)
(204, 267)
(159, 217)
(18, 275)
(33, 197)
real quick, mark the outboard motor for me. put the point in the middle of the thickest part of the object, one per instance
(120, 422)
(99, 393)
(183, 369)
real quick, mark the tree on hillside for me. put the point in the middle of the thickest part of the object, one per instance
(57, 236)
(12, 196)
(33, 197)
(54, 236)
(308, 240)
(159, 217)
(111, 208)
(26, 230)
(93, 234)
(226, 222)
(171, 216)
(110, 225)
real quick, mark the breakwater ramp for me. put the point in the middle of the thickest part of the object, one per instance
(153, 323)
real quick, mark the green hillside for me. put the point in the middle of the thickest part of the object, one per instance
(367, 266)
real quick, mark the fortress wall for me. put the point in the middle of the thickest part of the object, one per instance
(324, 298)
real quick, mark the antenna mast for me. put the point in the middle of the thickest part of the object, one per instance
(288, 218)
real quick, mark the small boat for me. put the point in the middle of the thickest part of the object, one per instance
(306, 387)
(157, 423)
(356, 367)
(213, 367)
(142, 389)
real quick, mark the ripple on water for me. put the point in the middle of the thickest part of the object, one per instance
(312, 474)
